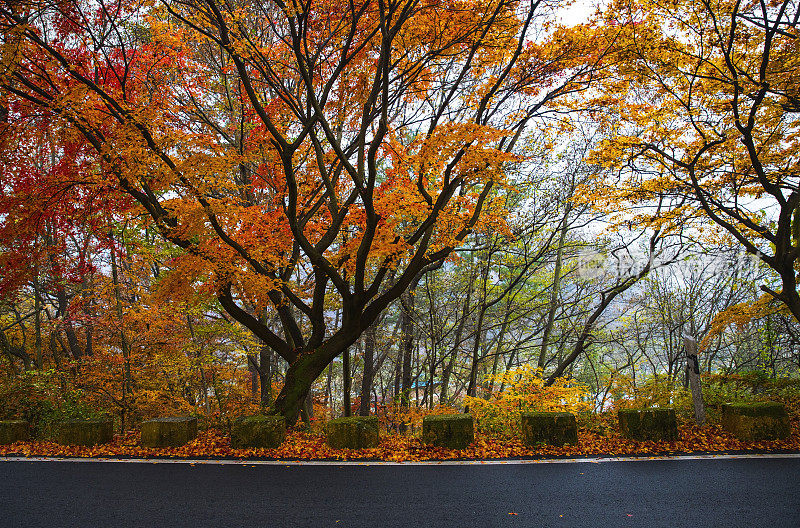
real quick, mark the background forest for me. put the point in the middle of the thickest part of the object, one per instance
(500, 214)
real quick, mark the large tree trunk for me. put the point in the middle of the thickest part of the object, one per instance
(302, 373)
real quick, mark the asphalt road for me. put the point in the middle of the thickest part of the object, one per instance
(697, 493)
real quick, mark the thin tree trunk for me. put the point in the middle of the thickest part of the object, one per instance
(123, 340)
(265, 369)
(37, 323)
(510, 362)
(406, 345)
(553, 307)
(252, 366)
(265, 375)
(329, 388)
(431, 377)
(346, 382)
(366, 380)
(606, 297)
(88, 349)
(472, 387)
(456, 343)
(499, 346)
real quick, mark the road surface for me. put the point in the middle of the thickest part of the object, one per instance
(697, 493)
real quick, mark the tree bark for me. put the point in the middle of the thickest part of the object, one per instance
(346, 383)
(265, 375)
(366, 380)
(252, 366)
(406, 345)
(693, 373)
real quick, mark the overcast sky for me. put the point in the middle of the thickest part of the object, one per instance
(578, 12)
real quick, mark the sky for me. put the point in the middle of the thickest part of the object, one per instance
(578, 12)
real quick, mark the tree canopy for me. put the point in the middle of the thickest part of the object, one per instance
(201, 199)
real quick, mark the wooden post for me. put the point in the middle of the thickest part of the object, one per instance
(693, 371)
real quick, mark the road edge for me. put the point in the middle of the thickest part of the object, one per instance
(490, 462)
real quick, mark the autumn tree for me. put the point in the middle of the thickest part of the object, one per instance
(703, 112)
(335, 149)
(52, 233)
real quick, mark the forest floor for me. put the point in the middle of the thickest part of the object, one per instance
(214, 444)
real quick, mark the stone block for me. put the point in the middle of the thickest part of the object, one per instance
(453, 431)
(751, 422)
(354, 432)
(85, 432)
(258, 431)
(648, 424)
(169, 432)
(553, 428)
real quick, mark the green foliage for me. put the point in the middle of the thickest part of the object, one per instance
(718, 389)
(44, 398)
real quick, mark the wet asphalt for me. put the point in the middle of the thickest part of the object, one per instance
(697, 493)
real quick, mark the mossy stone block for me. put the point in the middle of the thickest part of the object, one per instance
(173, 431)
(354, 432)
(258, 431)
(751, 422)
(648, 424)
(453, 431)
(14, 431)
(85, 432)
(553, 428)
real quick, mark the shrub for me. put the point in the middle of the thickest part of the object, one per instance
(525, 391)
(394, 415)
(45, 398)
